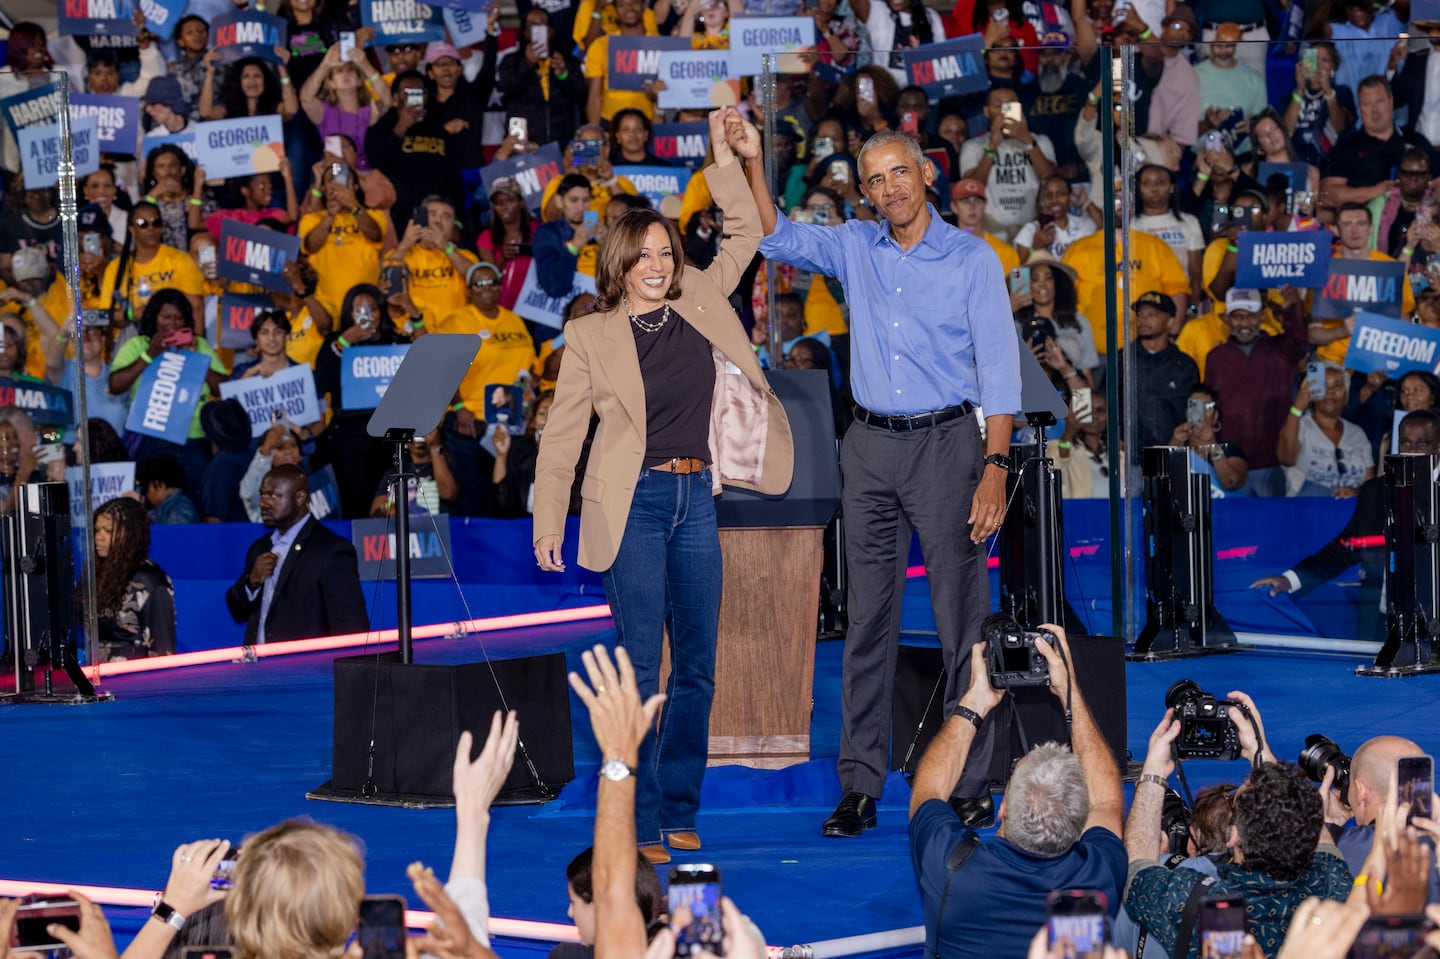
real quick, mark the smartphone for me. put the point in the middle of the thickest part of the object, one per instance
(585, 153)
(1000, 15)
(519, 129)
(540, 40)
(393, 277)
(1194, 411)
(1310, 59)
(820, 216)
(46, 453)
(1415, 783)
(824, 147)
(1315, 379)
(802, 214)
(382, 927)
(91, 243)
(420, 215)
(1383, 937)
(865, 89)
(35, 913)
(333, 146)
(1020, 280)
(347, 44)
(177, 339)
(1219, 217)
(415, 98)
(365, 317)
(340, 173)
(1012, 111)
(1214, 141)
(840, 171)
(1222, 927)
(1082, 404)
(223, 869)
(591, 219)
(205, 257)
(909, 123)
(1076, 924)
(698, 887)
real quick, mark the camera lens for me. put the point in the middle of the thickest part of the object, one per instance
(1183, 690)
(1321, 752)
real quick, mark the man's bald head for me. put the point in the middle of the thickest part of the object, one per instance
(1370, 771)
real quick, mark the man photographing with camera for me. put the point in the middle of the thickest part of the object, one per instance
(1059, 822)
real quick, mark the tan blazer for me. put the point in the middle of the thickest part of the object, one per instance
(750, 444)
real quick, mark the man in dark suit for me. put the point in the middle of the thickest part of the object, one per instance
(300, 581)
(1362, 540)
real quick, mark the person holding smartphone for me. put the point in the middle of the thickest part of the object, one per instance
(345, 95)
(343, 240)
(545, 85)
(1323, 453)
(506, 241)
(436, 267)
(1200, 432)
(1012, 163)
(415, 147)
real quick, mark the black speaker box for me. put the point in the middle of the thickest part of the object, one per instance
(419, 710)
(1099, 670)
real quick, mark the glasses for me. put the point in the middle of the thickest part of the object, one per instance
(481, 284)
(143, 223)
(403, 48)
(1419, 174)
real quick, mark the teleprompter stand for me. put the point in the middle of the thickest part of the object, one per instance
(1412, 574)
(397, 722)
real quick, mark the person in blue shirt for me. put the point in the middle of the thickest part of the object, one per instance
(931, 339)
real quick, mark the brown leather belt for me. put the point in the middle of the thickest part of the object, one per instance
(681, 464)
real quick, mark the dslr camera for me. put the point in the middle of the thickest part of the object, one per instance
(1206, 729)
(1010, 649)
(1320, 752)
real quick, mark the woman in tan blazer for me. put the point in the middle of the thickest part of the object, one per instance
(683, 406)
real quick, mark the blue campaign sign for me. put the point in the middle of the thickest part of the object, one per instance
(97, 18)
(690, 76)
(255, 254)
(530, 171)
(656, 182)
(33, 108)
(117, 119)
(40, 151)
(1425, 11)
(185, 141)
(682, 142)
(634, 60)
(1266, 261)
(1373, 285)
(374, 541)
(161, 16)
(753, 37)
(47, 405)
(240, 146)
(467, 27)
(948, 68)
(248, 33)
(1296, 174)
(403, 21)
(1395, 346)
(324, 493)
(366, 372)
(167, 394)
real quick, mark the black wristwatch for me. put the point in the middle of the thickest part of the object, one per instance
(167, 914)
(1000, 460)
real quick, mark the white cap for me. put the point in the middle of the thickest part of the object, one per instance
(1247, 300)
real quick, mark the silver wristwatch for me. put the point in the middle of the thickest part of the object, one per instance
(615, 770)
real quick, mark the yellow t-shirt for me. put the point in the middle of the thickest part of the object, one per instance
(1153, 266)
(1009, 256)
(597, 64)
(822, 312)
(1335, 350)
(702, 41)
(608, 21)
(436, 287)
(505, 349)
(168, 268)
(346, 259)
(304, 342)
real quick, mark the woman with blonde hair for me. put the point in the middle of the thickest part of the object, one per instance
(345, 96)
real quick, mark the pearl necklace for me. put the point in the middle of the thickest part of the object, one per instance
(646, 327)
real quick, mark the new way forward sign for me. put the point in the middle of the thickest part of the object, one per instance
(1266, 261)
(291, 392)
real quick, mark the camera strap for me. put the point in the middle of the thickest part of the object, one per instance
(1191, 915)
(963, 850)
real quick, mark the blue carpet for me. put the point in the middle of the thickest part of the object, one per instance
(102, 794)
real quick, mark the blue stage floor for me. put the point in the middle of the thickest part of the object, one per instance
(100, 795)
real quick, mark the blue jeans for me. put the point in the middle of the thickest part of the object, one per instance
(666, 575)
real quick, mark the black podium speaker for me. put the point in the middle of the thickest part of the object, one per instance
(1099, 672)
(419, 710)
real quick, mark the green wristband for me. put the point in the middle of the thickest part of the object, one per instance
(1295, 411)
(344, 343)
(1231, 248)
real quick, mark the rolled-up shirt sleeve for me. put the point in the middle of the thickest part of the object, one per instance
(818, 249)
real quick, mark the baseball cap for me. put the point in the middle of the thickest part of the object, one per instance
(92, 219)
(1158, 300)
(166, 89)
(1054, 38)
(1248, 300)
(508, 185)
(29, 263)
(475, 268)
(1186, 16)
(438, 51)
(967, 187)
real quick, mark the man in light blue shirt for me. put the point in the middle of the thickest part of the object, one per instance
(931, 338)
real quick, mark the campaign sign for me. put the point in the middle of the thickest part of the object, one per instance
(237, 315)
(1373, 285)
(753, 37)
(256, 254)
(366, 372)
(374, 542)
(291, 393)
(239, 147)
(1266, 261)
(185, 141)
(117, 119)
(40, 151)
(47, 405)
(948, 68)
(33, 108)
(634, 60)
(1395, 346)
(656, 182)
(530, 171)
(468, 26)
(535, 304)
(167, 394)
(1296, 174)
(1424, 11)
(689, 77)
(403, 21)
(97, 18)
(682, 142)
(248, 33)
(107, 481)
(161, 16)
(324, 493)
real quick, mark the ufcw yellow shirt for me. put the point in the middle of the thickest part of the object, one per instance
(506, 348)
(1153, 266)
(169, 268)
(436, 287)
(347, 258)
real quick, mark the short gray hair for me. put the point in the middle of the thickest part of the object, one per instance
(886, 138)
(1047, 801)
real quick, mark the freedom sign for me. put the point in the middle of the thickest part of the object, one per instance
(1395, 346)
(167, 394)
(237, 315)
(1354, 285)
(1269, 260)
(948, 68)
(117, 119)
(290, 392)
(403, 21)
(255, 254)
(239, 147)
(33, 108)
(374, 542)
(107, 481)
(366, 372)
(40, 153)
(248, 33)
(97, 18)
(689, 77)
(753, 37)
(530, 171)
(681, 142)
(47, 405)
(656, 182)
(535, 304)
(161, 16)
(633, 60)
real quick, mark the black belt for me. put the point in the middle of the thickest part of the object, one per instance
(914, 421)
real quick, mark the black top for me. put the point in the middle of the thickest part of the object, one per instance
(144, 625)
(1164, 381)
(1363, 160)
(679, 376)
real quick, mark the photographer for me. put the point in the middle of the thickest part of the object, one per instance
(1059, 823)
(1275, 861)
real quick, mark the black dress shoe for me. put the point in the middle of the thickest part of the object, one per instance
(854, 815)
(977, 812)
